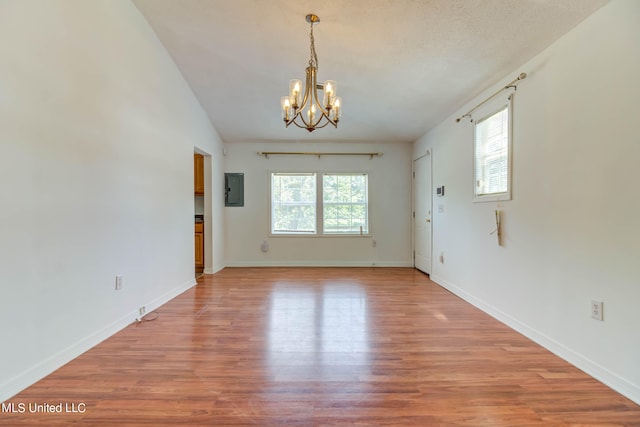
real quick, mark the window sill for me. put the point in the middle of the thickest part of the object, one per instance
(499, 197)
(315, 236)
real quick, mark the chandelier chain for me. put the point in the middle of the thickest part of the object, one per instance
(313, 60)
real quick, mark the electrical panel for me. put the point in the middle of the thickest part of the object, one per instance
(234, 189)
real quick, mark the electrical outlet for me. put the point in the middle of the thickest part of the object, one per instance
(142, 311)
(119, 280)
(596, 310)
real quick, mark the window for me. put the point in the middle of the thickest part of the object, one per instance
(336, 205)
(344, 204)
(492, 161)
(293, 203)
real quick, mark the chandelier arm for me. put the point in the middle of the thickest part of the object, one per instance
(310, 80)
(312, 126)
(333, 122)
(304, 122)
(324, 118)
(322, 114)
(323, 125)
(324, 111)
(300, 126)
(313, 88)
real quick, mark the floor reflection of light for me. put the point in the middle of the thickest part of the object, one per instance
(292, 321)
(318, 333)
(441, 316)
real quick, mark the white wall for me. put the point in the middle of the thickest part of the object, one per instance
(389, 206)
(571, 230)
(97, 133)
(213, 201)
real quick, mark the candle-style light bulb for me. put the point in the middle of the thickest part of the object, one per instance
(330, 87)
(337, 110)
(311, 114)
(295, 88)
(285, 102)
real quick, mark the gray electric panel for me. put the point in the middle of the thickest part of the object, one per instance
(234, 189)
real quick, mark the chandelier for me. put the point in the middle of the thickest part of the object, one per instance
(306, 110)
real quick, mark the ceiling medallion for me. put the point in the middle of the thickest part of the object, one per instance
(305, 109)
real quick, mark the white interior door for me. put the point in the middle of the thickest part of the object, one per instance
(422, 213)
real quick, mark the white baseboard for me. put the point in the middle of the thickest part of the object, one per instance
(29, 377)
(163, 299)
(47, 366)
(213, 270)
(602, 374)
(319, 264)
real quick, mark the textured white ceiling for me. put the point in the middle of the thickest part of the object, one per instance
(401, 65)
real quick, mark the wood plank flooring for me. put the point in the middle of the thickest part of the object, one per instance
(321, 347)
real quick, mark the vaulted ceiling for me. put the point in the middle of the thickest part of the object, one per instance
(402, 66)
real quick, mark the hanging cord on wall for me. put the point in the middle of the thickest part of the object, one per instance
(498, 230)
(149, 317)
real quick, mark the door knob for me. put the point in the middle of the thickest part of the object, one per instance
(428, 220)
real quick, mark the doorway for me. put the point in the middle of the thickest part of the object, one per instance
(198, 196)
(422, 212)
(203, 220)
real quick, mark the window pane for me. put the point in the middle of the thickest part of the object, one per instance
(293, 203)
(345, 206)
(492, 154)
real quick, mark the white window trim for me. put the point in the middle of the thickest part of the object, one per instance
(270, 200)
(496, 197)
(319, 207)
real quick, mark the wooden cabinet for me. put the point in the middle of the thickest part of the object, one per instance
(198, 174)
(199, 240)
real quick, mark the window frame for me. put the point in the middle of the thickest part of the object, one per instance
(320, 232)
(271, 206)
(505, 195)
(366, 203)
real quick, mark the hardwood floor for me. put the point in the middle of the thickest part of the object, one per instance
(321, 347)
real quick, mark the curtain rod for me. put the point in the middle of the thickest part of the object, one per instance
(266, 154)
(512, 84)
